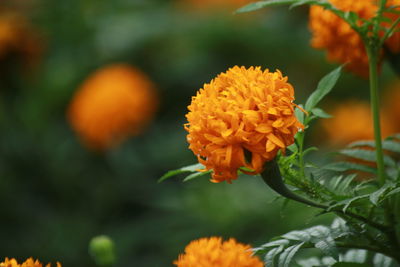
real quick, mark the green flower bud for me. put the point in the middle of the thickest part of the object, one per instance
(101, 248)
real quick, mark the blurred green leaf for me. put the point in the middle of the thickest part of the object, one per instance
(262, 4)
(196, 175)
(287, 255)
(320, 113)
(366, 155)
(347, 166)
(190, 168)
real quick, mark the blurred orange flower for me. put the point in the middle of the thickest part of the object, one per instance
(391, 102)
(214, 252)
(28, 263)
(393, 43)
(242, 118)
(352, 121)
(341, 42)
(18, 37)
(115, 102)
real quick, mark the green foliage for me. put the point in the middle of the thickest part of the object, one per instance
(195, 170)
(280, 251)
(294, 3)
(325, 85)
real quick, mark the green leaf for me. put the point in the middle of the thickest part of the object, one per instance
(328, 247)
(367, 155)
(262, 4)
(298, 236)
(299, 114)
(376, 196)
(355, 255)
(286, 257)
(196, 175)
(347, 166)
(190, 168)
(381, 260)
(347, 202)
(325, 85)
(388, 144)
(394, 191)
(320, 113)
(350, 264)
(270, 257)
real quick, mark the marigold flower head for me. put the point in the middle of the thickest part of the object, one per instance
(352, 121)
(241, 112)
(115, 102)
(341, 42)
(214, 252)
(28, 263)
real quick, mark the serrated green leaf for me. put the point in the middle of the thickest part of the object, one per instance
(344, 184)
(376, 196)
(389, 145)
(355, 256)
(350, 264)
(270, 256)
(320, 113)
(328, 247)
(287, 255)
(367, 155)
(298, 236)
(381, 260)
(347, 166)
(347, 202)
(394, 191)
(190, 168)
(325, 85)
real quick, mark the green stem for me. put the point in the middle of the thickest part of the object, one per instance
(373, 53)
(301, 156)
(272, 177)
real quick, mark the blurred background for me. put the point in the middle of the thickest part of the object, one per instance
(57, 192)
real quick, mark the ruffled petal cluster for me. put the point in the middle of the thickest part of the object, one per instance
(214, 252)
(114, 103)
(352, 121)
(341, 42)
(242, 118)
(28, 263)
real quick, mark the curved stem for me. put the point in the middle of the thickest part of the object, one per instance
(272, 177)
(373, 53)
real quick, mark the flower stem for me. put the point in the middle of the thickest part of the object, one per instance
(373, 53)
(273, 178)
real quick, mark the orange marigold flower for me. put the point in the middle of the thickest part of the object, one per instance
(115, 102)
(352, 121)
(341, 42)
(28, 263)
(213, 252)
(241, 112)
